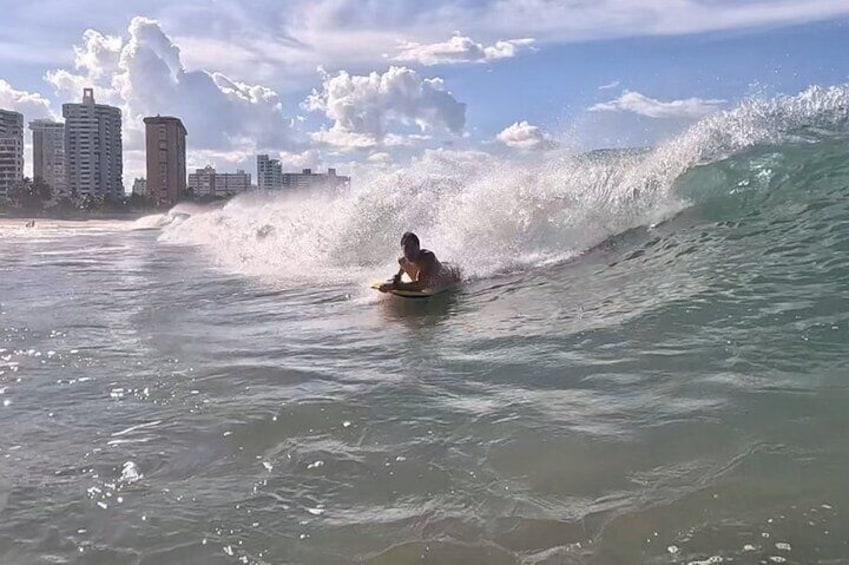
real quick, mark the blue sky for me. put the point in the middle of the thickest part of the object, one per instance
(367, 83)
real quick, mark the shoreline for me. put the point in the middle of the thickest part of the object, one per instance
(78, 216)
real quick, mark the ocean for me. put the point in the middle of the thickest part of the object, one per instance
(646, 363)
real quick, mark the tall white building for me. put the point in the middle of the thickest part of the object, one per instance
(11, 150)
(93, 151)
(208, 182)
(269, 173)
(48, 153)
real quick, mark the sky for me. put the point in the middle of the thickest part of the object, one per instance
(368, 83)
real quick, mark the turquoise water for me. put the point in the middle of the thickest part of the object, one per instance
(647, 364)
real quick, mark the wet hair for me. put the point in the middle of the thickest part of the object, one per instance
(410, 237)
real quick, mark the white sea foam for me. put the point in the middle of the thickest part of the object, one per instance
(130, 473)
(485, 214)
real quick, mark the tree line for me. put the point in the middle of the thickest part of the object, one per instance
(36, 196)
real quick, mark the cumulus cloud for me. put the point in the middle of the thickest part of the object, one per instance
(259, 42)
(99, 54)
(295, 162)
(365, 108)
(454, 159)
(223, 160)
(689, 108)
(96, 63)
(381, 158)
(144, 76)
(461, 49)
(351, 141)
(31, 104)
(522, 135)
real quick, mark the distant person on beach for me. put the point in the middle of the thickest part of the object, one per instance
(422, 266)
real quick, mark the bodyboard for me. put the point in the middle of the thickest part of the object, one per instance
(414, 293)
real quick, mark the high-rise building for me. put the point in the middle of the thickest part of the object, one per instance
(307, 179)
(140, 187)
(48, 153)
(269, 173)
(11, 150)
(166, 159)
(93, 150)
(208, 182)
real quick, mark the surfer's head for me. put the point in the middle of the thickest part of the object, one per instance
(410, 243)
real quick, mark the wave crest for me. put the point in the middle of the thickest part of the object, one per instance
(490, 215)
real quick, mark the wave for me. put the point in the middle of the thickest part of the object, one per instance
(491, 215)
(177, 214)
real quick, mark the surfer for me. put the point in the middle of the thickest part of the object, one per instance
(422, 266)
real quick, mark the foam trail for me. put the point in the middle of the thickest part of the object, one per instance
(178, 213)
(485, 214)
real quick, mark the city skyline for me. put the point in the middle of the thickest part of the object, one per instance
(86, 158)
(338, 90)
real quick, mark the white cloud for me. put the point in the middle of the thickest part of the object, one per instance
(296, 162)
(31, 104)
(99, 54)
(460, 49)
(609, 85)
(223, 160)
(259, 42)
(346, 140)
(453, 159)
(522, 135)
(351, 141)
(380, 159)
(365, 108)
(689, 108)
(357, 33)
(144, 76)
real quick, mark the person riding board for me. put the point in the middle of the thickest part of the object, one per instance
(421, 265)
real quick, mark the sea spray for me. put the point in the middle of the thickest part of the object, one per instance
(486, 214)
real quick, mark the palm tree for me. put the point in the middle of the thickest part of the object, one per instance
(30, 194)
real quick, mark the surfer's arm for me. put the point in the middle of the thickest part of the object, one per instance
(420, 282)
(398, 285)
(415, 285)
(389, 285)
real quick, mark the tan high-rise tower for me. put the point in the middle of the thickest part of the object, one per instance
(166, 159)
